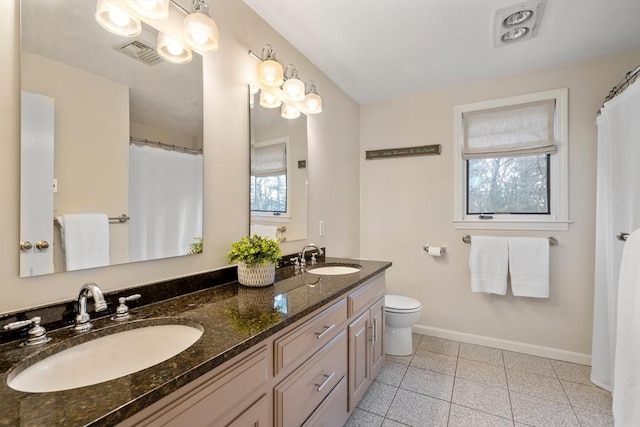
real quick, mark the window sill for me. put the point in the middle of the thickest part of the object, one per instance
(271, 218)
(496, 224)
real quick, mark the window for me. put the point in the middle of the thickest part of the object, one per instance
(269, 189)
(510, 163)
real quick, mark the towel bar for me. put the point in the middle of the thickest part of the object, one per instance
(552, 240)
(121, 219)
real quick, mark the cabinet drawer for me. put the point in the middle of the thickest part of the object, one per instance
(333, 411)
(367, 295)
(300, 394)
(219, 396)
(310, 336)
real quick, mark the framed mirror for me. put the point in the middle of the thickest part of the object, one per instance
(278, 192)
(111, 146)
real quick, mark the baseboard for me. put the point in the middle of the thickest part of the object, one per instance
(516, 346)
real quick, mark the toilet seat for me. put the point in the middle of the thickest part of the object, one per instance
(401, 304)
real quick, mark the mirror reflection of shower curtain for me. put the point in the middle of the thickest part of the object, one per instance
(618, 210)
(165, 202)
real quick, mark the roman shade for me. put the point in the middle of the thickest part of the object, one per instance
(515, 130)
(269, 160)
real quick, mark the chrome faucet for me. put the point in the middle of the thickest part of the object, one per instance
(302, 254)
(82, 318)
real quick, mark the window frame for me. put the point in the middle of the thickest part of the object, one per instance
(270, 216)
(558, 219)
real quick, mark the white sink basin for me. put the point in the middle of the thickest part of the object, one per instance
(105, 358)
(334, 270)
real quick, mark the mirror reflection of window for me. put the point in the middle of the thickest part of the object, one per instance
(269, 166)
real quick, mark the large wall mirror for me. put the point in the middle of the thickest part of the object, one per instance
(111, 146)
(278, 193)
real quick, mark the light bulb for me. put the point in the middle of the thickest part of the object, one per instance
(147, 4)
(313, 103)
(200, 32)
(270, 73)
(294, 89)
(119, 17)
(172, 50)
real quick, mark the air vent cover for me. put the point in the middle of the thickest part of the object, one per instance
(139, 50)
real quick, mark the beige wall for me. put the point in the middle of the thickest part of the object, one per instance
(333, 159)
(407, 203)
(91, 144)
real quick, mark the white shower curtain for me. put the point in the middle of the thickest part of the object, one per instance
(618, 210)
(165, 202)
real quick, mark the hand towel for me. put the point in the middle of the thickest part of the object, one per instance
(626, 374)
(529, 266)
(488, 262)
(270, 231)
(86, 240)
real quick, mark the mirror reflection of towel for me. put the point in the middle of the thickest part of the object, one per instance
(85, 240)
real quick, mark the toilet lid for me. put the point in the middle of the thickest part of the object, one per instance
(400, 303)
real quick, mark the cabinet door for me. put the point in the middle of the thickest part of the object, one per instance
(377, 347)
(359, 354)
(255, 416)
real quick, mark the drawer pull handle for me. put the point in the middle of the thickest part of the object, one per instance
(319, 387)
(319, 335)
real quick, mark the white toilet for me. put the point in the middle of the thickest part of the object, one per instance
(400, 315)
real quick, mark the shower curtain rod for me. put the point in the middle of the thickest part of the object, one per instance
(629, 78)
(163, 145)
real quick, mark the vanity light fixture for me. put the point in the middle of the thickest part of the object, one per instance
(115, 19)
(283, 88)
(517, 22)
(179, 31)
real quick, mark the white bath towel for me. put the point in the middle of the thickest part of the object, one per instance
(626, 380)
(86, 240)
(488, 262)
(270, 231)
(529, 266)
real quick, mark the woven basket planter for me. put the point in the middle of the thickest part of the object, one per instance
(256, 275)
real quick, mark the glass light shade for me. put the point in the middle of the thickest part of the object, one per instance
(289, 112)
(313, 103)
(269, 101)
(171, 50)
(293, 89)
(200, 32)
(154, 9)
(270, 73)
(115, 20)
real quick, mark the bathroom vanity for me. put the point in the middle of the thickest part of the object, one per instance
(300, 352)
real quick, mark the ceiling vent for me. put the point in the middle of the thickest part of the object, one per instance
(138, 49)
(518, 22)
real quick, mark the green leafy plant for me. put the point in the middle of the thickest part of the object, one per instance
(196, 247)
(255, 250)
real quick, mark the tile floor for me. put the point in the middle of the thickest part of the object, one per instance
(448, 383)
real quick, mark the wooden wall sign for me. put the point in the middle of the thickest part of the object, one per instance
(423, 150)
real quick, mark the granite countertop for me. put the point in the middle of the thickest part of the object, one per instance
(234, 319)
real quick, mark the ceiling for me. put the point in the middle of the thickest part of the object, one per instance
(381, 49)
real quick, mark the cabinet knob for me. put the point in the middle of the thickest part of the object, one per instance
(42, 245)
(25, 245)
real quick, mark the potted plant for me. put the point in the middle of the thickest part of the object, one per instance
(257, 258)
